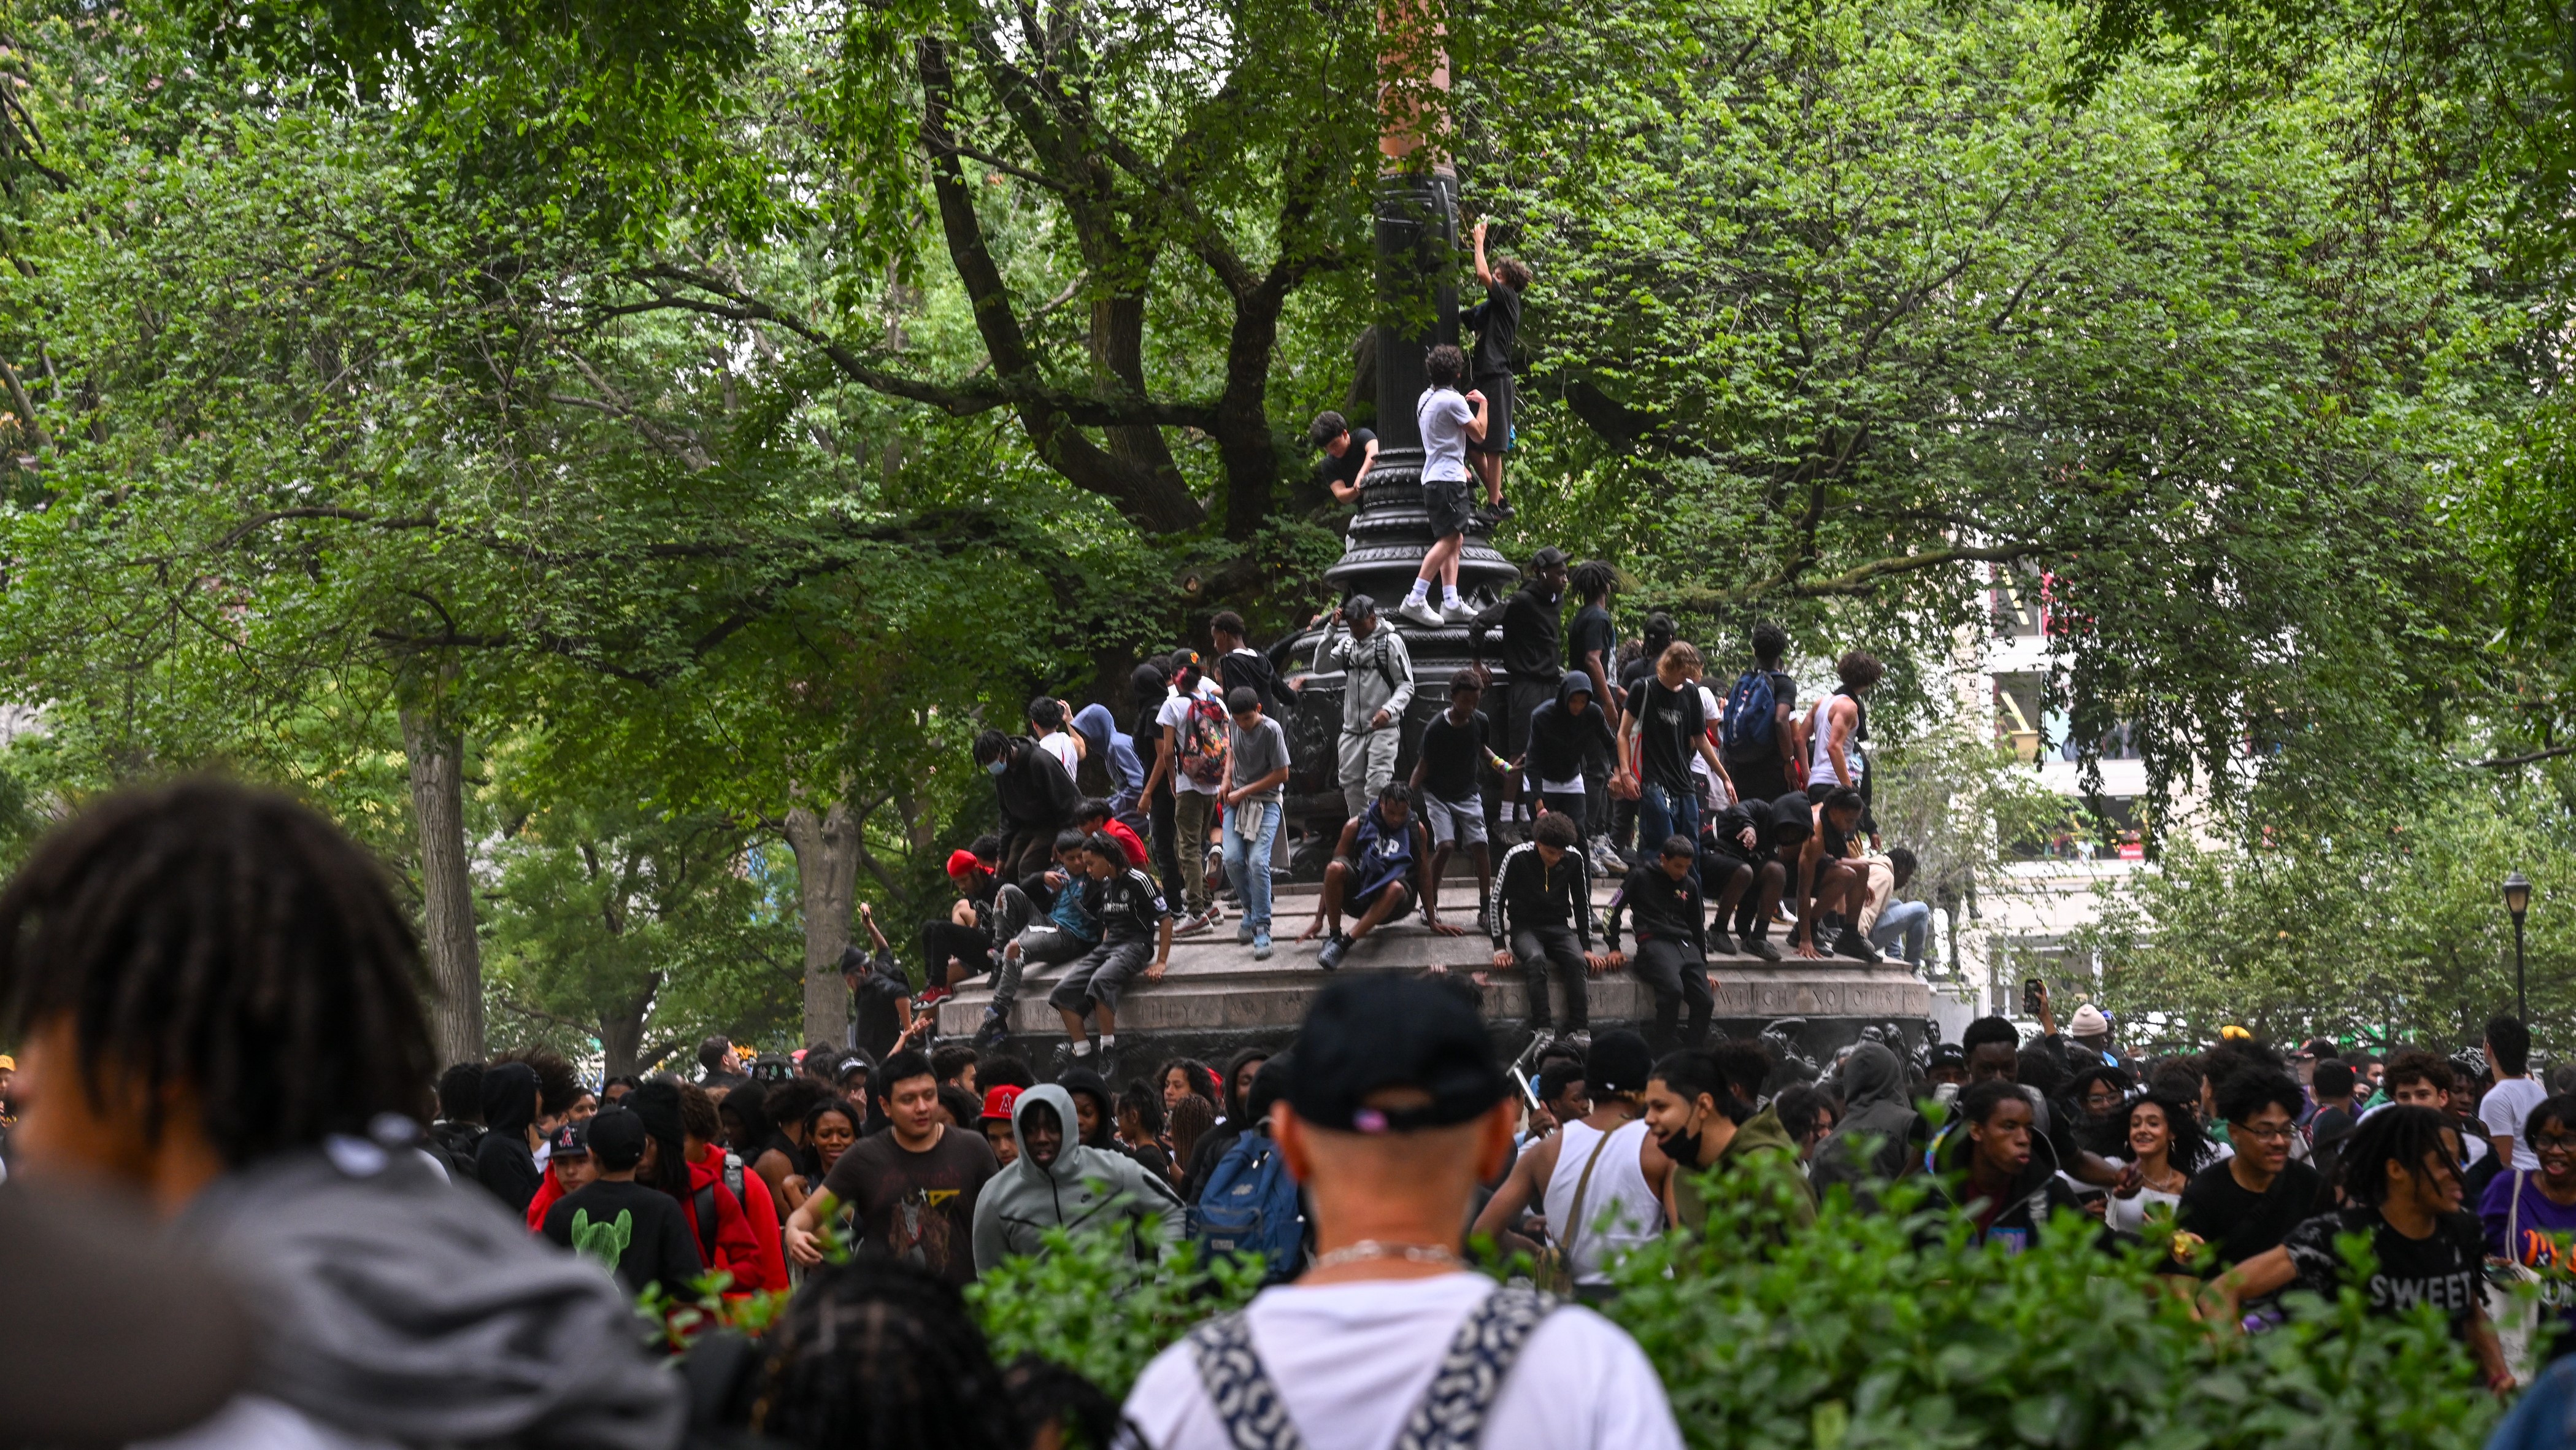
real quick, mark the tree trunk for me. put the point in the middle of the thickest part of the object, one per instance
(437, 754)
(827, 883)
(621, 1036)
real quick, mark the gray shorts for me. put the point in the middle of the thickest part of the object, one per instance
(1455, 823)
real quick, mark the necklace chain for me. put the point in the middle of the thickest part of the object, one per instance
(1367, 1249)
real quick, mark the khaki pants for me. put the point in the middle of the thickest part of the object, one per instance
(1882, 885)
(1193, 813)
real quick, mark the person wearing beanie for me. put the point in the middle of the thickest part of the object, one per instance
(2088, 1039)
(1602, 1178)
(505, 1160)
(636, 1233)
(1393, 1114)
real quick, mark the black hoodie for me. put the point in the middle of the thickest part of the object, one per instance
(1036, 793)
(502, 1160)
(1557, 734)
(1666, 910)
(2036, 1192)
(1532, 636)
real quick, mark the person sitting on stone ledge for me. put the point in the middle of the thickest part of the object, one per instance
(1542, 909)
(961, 945)
(1830, 883)
(1376, 875)
(1736, 863)
(1067, 932)
(1134, 925)
(1672, 941)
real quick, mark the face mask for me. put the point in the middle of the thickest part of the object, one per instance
(998, 766)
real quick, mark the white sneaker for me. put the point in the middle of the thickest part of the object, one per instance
(1421, 612)
(1458, 613)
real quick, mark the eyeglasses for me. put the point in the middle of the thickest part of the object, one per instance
(2553, 1143)
(2280, 1134)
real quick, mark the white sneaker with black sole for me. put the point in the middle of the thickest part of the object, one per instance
(1422, 612)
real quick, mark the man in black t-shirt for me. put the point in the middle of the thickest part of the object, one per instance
(637, 1232)
(1632, 678)
(1496, 321)
(1591, 643)
(914, 1186)
(1760, 753)
(1349, 454)
(880, 993)
(1456, 745)
(2402, 1177)
(1532, 639)
(2244, 1206)
(1664, 727)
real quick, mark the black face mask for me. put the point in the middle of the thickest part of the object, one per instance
(1682, 1148)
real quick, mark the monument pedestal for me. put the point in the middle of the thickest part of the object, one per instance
(1217, 998)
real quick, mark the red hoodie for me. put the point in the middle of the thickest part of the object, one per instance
(754, 1216)
(1127, 841)
(549, 1193)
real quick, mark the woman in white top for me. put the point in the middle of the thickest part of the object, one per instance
(2162, 1137)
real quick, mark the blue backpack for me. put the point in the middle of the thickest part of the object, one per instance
(1250, 1207)
(1749, 726)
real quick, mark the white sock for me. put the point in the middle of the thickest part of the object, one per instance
(1108, 1040)
(1421, 590)
(1082, 1048)
(1449, 594)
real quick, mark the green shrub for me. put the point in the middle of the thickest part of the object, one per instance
(1091, 1304)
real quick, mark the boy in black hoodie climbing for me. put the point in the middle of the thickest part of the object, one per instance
(1563, 733)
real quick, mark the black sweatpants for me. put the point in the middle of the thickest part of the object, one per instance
(1676, 973)
(1534, 948)
(942, 939)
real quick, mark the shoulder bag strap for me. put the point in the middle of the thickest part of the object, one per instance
(1573, 1225)
(1240, 1388)
(2513, 1223)
(1451, 1414)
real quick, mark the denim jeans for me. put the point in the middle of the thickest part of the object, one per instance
(1908, 922)
(1247, 863)
(1662, 813)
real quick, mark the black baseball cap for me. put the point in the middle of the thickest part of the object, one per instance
(1365, 1035)
(1949, 1054)
(572, 1140)
(616, 1139)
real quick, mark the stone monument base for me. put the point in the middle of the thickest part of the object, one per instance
(1216, 998)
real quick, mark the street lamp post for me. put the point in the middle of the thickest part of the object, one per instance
(2517, 900)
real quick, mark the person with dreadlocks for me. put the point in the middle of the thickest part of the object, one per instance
(877, 1354)
(717, 1223)
(219, 1005)
(2401, 1185)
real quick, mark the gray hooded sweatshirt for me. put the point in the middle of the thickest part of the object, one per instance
(398, 1306)
(1083, 1188)
(1877, 1104)
(1377, 674)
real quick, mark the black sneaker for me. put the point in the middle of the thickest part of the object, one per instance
(995, 1031)
(1106, 1060)
(1503, 510)
(1720, 944)
(1330, 954)
(1761, 947)
(1065, 1058)
(1853, 944)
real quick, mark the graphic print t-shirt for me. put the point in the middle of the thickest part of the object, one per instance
(2443, 1269)
(917, 1207)
(633, 1230)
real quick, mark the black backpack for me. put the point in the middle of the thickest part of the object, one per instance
(454, 1143)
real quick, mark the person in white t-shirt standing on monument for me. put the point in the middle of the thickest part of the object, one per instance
(1448, 421)
(1396, 1109)
(2514, 1095)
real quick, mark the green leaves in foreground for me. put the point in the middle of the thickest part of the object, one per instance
(1885, 1329)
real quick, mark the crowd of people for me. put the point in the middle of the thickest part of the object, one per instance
(217, 1002)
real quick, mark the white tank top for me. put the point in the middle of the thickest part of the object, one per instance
(1618, 1189)
(1820, 759)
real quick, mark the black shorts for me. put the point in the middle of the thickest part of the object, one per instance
(1497, 388)
(1359, 905)
(1446, 499)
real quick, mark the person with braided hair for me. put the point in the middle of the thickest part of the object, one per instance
(877, 1354)
(219, 1001)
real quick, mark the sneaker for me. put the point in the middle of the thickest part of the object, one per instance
(1579, 1040)
(1542, 1037)
(930, 997)
(1421, 611)
(1193, 925)
(1853, 944)
(1065, 1060)
(1261, 946)
(1761, 947)
(1721, 945)
(1330, 954)
(1458, 613)
(995, 1031)
(1243, 934)
(1106, 1061)
(1484, 921)
(1503, 510)
(1606, 858)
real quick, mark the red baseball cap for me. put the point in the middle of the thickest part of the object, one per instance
(998, 1104)
(963, 863)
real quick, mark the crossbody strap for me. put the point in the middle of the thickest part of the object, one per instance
(2513, 1222)
(1573, 1224)
(1451, 1414)
(1240, 1388)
